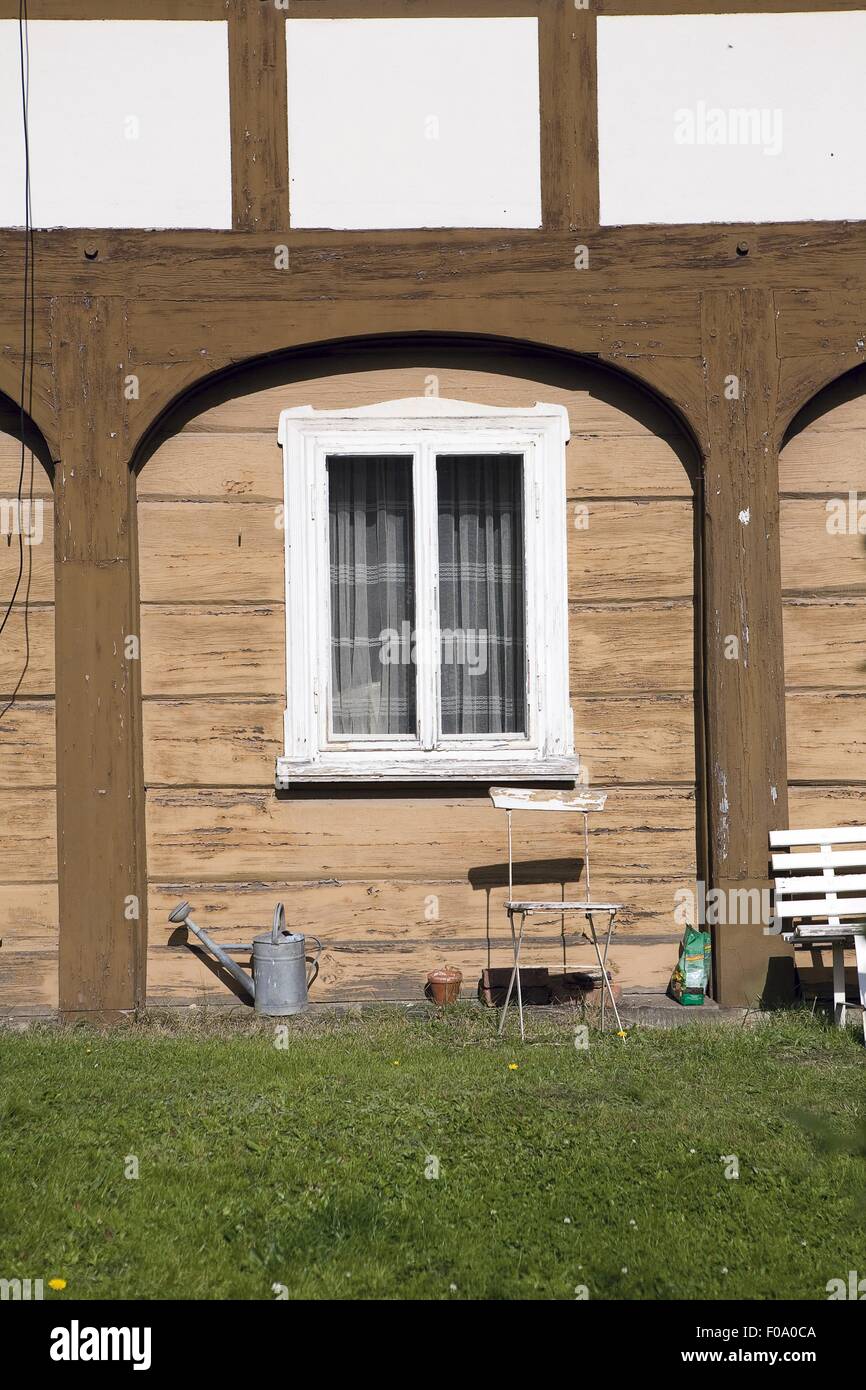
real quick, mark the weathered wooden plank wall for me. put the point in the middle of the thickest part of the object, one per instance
(28, 809)
(396, 884)
(822, 478)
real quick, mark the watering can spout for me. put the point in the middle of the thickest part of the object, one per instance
(181, 914)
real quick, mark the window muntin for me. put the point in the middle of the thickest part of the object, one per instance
(511, 721)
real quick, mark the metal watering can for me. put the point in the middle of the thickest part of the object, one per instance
(280, 978)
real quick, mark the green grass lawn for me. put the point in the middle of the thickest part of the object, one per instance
(305, 1166)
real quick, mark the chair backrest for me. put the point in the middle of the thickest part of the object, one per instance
(814, 892)
(528, 799)
(544, 799)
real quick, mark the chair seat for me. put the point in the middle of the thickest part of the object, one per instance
(528, 907)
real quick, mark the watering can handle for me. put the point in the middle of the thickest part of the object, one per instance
(279, 923)
(314, 968)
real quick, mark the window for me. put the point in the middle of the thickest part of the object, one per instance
(426, 593)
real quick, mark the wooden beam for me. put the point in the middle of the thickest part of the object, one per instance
(569, 117)
(259, 117)
(116, 9)
(100, 799)
(227, 265)
(699, 7)
(412, 9)
(746, 778)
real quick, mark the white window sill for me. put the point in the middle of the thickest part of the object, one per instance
(427, 767)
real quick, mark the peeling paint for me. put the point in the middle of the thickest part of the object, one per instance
(724, 808)
(746, 516)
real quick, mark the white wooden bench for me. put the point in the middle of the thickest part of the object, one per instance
(818, 906)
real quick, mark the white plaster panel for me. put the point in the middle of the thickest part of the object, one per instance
(129, 124)
(728, 118)
(414, 123)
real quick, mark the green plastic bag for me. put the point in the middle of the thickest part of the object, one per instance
(691, 976)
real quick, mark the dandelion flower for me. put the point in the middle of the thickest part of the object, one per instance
(57, 1284)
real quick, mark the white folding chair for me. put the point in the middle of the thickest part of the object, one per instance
(584, 801)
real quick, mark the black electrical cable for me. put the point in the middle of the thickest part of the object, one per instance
(27, 360)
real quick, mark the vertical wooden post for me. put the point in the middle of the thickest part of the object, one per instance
(100, 799)
(569, 117)
(746, 777)
(259, 116)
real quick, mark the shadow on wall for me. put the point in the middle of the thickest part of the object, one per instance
(526, 873)
(844, 389)
(540, 366)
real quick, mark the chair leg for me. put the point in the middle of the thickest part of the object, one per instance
(610, 922)
(839, 983)
(605, 982)
(513, 976)
(607, 940)
(516, 943)
(860, 952)
(517, 968)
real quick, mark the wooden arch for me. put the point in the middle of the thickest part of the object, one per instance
(102, 436)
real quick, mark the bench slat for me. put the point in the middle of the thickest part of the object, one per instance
(822, 883)
(808, 932)
(846, 835)
(821, 907)
(844, 859)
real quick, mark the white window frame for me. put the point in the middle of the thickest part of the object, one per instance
(424, 427)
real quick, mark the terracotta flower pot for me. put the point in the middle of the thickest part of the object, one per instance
(444, 984)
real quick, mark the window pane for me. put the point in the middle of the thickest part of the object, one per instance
(481, 593)
(372, 596)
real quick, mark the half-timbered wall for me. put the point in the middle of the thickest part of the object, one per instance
(397, 883)
(735, 325)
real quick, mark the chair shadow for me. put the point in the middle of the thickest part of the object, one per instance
(526, 873)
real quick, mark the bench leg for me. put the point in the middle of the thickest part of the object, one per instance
(860, 951)
(839, 984)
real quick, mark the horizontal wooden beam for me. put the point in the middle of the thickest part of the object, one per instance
(699, 7)
(117, 9)
(203, 302)
(231, 265)
(413, 9)
(402, 9)
(556, 313)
